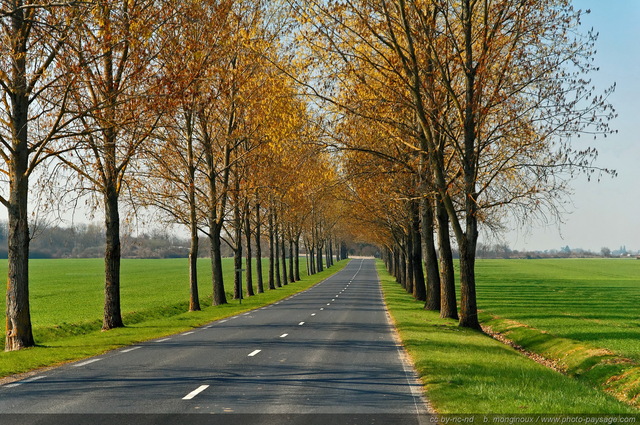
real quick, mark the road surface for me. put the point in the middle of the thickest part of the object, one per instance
(326, 355)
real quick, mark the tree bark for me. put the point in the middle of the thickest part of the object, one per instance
(272, 264)
(237, 252)
(292, 277)
(408, 263)
(430, 257)
(248, 256)
(259, 251)
(419, 287)
(194, 298)
(283, 253)
(19, 333)
(448, 301)
(112, 314)
(296, 264)
(194, 246)
(219, 296)
(276, 243)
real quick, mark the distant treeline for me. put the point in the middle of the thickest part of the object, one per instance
(88, 241)
(502, 250)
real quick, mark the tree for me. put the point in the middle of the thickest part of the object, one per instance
(115, 50)
(35, 115)
(503, 84)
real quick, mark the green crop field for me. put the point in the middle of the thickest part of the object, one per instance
(596, 301)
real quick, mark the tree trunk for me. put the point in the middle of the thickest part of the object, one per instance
(19, 333)
(272, 264)
(319, 259)
(219, 296)
(292, 277)
(259, 252)
(419, 287)
(430, 257)
(283, 253)
(248, 265)
(296, 264)
(408, 261)
(237, 252)
(468, 306)
(276, 243)
(112, 315)
(448, 302)
(194, 298)
(330, 252)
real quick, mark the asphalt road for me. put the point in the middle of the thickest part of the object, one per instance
(326, 355)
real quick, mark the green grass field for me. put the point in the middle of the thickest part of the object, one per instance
(467, 372)
(596, 301)
(67, 305)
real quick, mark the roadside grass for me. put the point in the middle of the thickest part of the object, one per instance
(467, 372)
(67, 298)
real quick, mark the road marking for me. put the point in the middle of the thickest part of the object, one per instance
(284, 335)
(225, 320)
(333, 299)
(313, 314)
(253, 353)
(163, 340)
(328, 303)
(17, 384)
(188, 333)
(128, 350)
(195, 392)
(86, 363)
(246, 314)
(301, 323)
(322, 308)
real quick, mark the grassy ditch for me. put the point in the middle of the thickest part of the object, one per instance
(66, 309)
(468, 372)
(597, 367)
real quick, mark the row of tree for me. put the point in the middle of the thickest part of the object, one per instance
(176, 107)
(406, 121)
(452, 114)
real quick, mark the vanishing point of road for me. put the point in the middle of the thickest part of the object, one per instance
(325, 355)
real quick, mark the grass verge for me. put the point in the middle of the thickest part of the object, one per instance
(597, 367)
(467, 372)
(67, 342)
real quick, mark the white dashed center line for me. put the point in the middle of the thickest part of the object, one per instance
(253, 353)
(163, 340)
(195, 392)
(128, 350)
(188, 333)
(284, 335)
(301, 323)
(86, 363)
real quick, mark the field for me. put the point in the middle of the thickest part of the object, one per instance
(467, 372)
(596, 301)
(67, 305)
(583, 316)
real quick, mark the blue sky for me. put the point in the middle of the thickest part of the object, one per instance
(605, 213)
